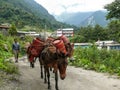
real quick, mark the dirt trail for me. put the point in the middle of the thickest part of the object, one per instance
(77, 79)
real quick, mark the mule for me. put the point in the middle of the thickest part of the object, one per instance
(34, 51)
(51, 58)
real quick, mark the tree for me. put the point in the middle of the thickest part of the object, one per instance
(77, 39)
(113, 10)
(114, 27)
(13, 30)
(99, 33)
(114, 14)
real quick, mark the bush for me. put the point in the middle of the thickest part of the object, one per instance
(5, 54)
(98, 60)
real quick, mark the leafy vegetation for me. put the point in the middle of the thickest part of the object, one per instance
(12, 30)
(113, 10)
(98, 60)
(6, 52)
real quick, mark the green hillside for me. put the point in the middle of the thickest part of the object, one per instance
(26, 12)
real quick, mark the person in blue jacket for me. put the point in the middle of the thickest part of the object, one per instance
(16, 49)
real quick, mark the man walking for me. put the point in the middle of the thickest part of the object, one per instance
(16, 49)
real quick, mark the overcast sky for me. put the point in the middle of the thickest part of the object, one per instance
(58, 6)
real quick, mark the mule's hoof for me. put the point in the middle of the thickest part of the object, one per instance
(32, 65)
(56, 88)
(41, 77)
(49, 87)
(45, 81)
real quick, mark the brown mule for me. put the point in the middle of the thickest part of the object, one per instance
(51, 58)
(33, 51)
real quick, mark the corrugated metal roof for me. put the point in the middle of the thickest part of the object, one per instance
(106, 42)
(3, 26)
(65, 29)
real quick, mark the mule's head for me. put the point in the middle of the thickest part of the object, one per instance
(27, 45)
(62, 66)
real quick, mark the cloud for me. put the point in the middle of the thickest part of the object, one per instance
(59, 6)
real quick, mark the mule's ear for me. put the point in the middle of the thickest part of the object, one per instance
(72, 44)
(69, 43)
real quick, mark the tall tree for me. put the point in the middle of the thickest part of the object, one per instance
(113, 10)
(114, 30)
(13, 30)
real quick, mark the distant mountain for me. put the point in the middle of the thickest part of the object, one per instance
(84, 18)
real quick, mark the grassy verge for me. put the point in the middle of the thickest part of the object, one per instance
(6, 52)
(8, 70)
(98, 60)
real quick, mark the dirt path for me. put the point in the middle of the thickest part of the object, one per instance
(77, 79)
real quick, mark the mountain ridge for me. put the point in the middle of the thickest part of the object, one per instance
(83, 18)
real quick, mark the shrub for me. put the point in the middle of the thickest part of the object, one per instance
(99, 60)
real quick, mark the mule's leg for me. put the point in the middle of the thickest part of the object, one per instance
(48, 76)
(32, 64)
(35, 59)
(56, 80)
(45, 74)
(41, 69)
(50, 68)
(31, 60)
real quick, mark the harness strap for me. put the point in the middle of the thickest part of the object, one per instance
(37, 45)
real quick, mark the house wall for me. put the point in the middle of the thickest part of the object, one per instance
(65, 31)
(4, 30)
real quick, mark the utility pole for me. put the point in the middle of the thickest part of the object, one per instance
(45, 32)
(61, 30)
(39, 31)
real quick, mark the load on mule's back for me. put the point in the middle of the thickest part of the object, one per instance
(68, 46)
(62, 43)
(60, 46)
